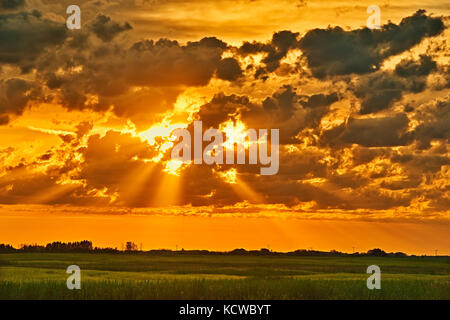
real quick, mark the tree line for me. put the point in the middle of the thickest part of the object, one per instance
(131, 247)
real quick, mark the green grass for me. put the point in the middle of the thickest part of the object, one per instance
(139, 276)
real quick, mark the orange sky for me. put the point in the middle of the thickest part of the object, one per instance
(86, 117)
(225, 233)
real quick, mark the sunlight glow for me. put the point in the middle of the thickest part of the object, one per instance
(162, 130)
(173, 167)
(229, 176)
(160, 135)
(235, 133)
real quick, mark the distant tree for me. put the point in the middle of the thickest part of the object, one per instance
(131, 246)
(83, 246)
(300, 252)
(399, 254)
(239, 251)
(6, 248)
(376, 253)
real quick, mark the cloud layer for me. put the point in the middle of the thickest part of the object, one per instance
(363, 114)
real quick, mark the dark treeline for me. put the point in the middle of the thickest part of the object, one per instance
(87, 247)
(57, 247)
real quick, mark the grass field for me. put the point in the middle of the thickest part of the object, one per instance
(140, 276)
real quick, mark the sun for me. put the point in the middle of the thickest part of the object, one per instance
(160, 136)
(235, 132)
(162, 130)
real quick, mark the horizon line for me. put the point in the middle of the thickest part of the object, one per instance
(263, 251)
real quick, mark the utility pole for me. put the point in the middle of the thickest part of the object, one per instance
(435, 252)
(353, 249)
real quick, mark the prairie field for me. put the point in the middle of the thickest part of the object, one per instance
(223, 277)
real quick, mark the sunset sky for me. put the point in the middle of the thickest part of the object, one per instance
(364, 115)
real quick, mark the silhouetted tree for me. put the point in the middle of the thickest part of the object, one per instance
(131, 246)
(6, 248)
(376, 253)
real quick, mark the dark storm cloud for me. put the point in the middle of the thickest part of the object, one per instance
(152, 63)
(25, 36)
(27, 186)
(275, 50)
(284, 109)
(292, 193)
(372, 132)
(362, 155)
(229, 69)
(439, 197)
(222, 108)
(373, 198)
(167, 63)
(435, 124)
(279, 190)
(275, 109)
(420, 163)
(4, 119)
(201, 186)
(282, 104)
(15, 94)
(108, 70)
(319, 100)
(301, 165)
(160, 69)
(334, 51)
(11, 4)
(22, 185)
(122, 154)
(408, 183)
(107, 166)
(106, 29)
(348, 180)
(379, 91)
(409, 68)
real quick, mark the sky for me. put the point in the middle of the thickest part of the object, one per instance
(87, 118)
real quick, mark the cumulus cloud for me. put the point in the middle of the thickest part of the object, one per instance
(275, 50)
(409, 67)
(229, 69)
(371, 132)
(330, 156)
(434, 124)
(334, 51)
(379, 91)
(26, 35)
(282, 110)
(106, 29)
(15, 94)
(319, 100)
(81, 73)
(11, 4)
